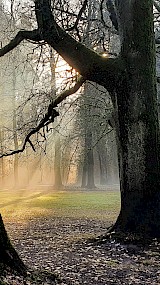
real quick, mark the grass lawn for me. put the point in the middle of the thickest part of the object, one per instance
(50, 231)
(25, 204)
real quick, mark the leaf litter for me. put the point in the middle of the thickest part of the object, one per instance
(61, 247)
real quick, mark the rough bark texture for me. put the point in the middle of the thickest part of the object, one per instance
(137, 124)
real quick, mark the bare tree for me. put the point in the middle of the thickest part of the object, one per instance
(130, 80)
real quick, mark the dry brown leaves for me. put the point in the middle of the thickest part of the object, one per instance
(60, 246)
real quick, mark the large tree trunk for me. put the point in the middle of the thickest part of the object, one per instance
(8, 255)
(137, 123)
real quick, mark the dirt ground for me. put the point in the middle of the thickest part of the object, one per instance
(61, 246)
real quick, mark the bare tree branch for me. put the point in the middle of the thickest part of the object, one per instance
(75, 26)
(86, 61)
(156, 6)
(49, 116)
(22, 35)
(70, 91)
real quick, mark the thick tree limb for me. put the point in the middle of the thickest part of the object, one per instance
(77, 55)
(48, 118)
(22, 35)
(90, 65)
(87, 62)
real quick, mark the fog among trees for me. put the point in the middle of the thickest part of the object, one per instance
(80, 105)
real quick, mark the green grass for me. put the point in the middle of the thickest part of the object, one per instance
(79, 204)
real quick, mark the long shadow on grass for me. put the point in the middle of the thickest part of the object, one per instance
(16, 201)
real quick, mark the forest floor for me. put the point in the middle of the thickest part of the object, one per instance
(52, 232)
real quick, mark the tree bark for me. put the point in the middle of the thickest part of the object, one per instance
(137, 123)
(8, 255)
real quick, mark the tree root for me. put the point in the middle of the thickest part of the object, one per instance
(123, 237)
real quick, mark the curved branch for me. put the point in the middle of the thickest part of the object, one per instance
(70, 91)
(21, 35)
(86, 61)
(49, 116)
(75, 26)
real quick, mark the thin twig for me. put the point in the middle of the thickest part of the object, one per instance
(48, 118)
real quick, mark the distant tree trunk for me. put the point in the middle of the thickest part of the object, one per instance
(2, 159)
(88, 163)
(57, 161)
(15, 139)
(103, 170)
(8, 255)
(84, 169)
(102, 162)
(57, 164)
(16, 178)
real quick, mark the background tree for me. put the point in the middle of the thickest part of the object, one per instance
(127, 84)
(134, 99)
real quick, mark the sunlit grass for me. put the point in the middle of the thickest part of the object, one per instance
(24, 205)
